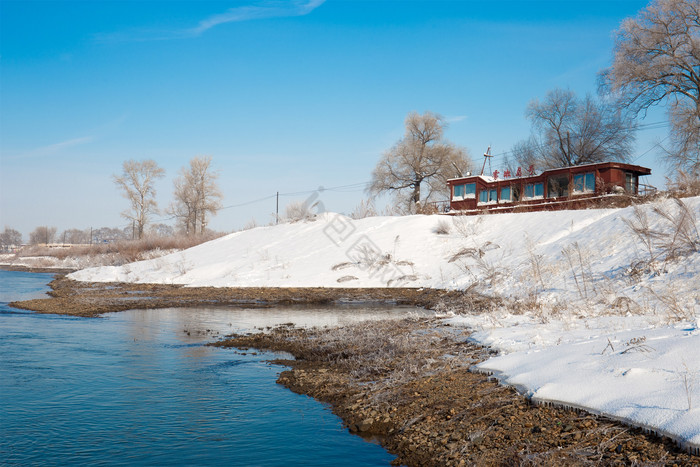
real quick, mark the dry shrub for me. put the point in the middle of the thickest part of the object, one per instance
(443, 227)
(684, 185)
(676, 237)
(472, 261)
(299, 211)
(364, 209)
(251, 224)
(678, 307)
(428, 208)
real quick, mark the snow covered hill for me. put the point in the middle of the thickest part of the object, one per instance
(603, 310)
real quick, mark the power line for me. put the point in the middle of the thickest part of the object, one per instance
(353, 187)
(248, 202)
(649, 150)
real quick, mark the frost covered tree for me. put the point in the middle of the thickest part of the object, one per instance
(137, 183)
(657, 61)
(197, 195)
(10, 238)
(569, 131)
(417, 167)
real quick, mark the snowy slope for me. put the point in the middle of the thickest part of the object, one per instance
(591, 323)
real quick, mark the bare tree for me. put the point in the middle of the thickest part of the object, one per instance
(568, 131)
(10, 238)
(197, 195)
(42, 234)
(420, 159)
(657, 60)
(161, 230)
(137, 183)
(75, 236)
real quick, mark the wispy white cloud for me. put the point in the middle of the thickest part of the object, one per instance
(56, 147)
(260, 10)
(59, 148)
(257, 10)
(456, 118)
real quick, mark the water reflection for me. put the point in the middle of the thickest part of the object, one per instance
(140, 387)
(198, 324)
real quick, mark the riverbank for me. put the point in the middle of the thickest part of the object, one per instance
(71, 297)
(409, 385)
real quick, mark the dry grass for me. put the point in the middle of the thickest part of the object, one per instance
(127, 250)
(676, 236)
(580, 268)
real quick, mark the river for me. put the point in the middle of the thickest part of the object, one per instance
(141, 387)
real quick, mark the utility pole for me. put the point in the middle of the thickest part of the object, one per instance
(277, 209)
(487, 157)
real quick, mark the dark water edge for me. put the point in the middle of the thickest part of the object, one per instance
(142, 388)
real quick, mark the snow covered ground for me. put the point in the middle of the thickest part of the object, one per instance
(598, 316)
(72, 262)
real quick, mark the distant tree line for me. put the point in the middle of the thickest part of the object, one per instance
(197, 198)
(44, 235)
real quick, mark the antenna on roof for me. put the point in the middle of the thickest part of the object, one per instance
(487, 156)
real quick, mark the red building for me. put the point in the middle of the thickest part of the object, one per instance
(564, 188)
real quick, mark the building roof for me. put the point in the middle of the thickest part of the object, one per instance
(599, 165)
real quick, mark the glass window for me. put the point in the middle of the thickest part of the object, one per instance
(483, 196)
(529, 190)
(584, 183)
(505, 193)
(631, 183)
(558, 186)
(493, 195)
(458, 191)
(539, 189)
(470, 190)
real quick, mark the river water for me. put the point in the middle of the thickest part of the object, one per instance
(140, 387)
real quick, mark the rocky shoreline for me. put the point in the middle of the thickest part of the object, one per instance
(407, 383)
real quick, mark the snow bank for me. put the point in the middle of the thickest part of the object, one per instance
(631, 368)
(593, 322)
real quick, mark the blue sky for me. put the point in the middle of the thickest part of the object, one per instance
(284, 96)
